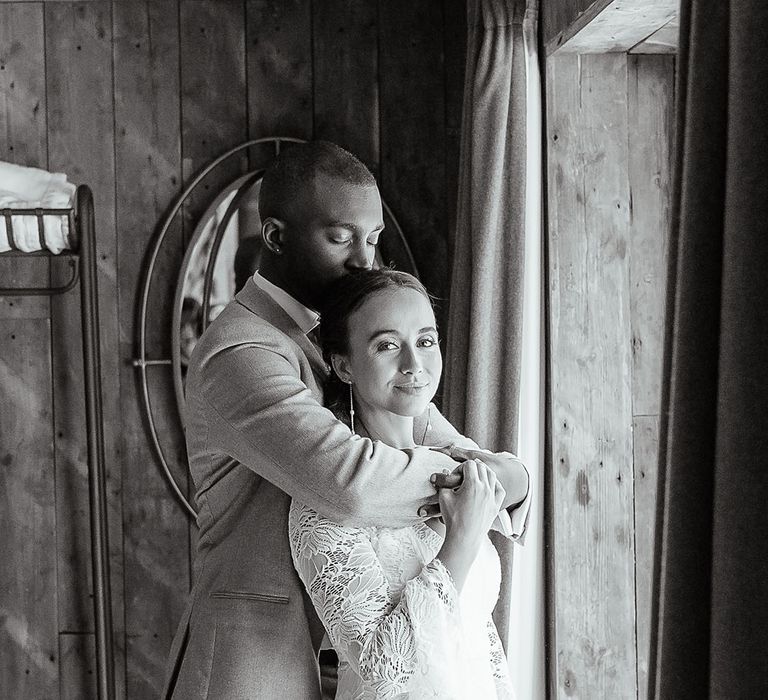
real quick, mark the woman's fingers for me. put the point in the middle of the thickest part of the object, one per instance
(486, 473)
(470, 472)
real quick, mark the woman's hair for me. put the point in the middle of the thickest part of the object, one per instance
(344, 297)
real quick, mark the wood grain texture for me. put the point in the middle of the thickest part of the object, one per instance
(213, 96)
(279, 49)
(455, 53)
(663, 40)
(345, 68)
(78, 44)
(28, 634)
(22, 85)
(612, 25)
(148, 152)
(23, 137)
(132, 98)
(558, 15)
(645, 451)
(591, 378)
(412, 176)
(650, 90)
(77, 661)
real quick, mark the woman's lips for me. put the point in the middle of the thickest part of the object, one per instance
(411, 388)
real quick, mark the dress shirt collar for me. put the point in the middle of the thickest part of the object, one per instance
(305, 318)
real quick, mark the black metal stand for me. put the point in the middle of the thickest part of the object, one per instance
(81, 220)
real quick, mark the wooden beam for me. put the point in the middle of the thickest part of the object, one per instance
(613, 25)
(663, 40)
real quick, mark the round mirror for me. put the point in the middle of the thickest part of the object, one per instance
(224, 250)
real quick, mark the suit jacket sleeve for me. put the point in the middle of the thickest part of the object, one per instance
(511, 522)
(260, 412)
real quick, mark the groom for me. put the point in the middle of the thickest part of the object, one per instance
(258, 435)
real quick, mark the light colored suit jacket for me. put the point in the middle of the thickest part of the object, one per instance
(257, 435)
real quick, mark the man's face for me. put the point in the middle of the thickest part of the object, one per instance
(332, 232)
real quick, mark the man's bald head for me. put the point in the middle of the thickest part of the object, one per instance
(290, 180)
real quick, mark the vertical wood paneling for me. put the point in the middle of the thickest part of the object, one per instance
(28, 583)
(646, 448)
(591, 380)
(22, 85)
(133, 98)
(148, 152)
(413, 159)
(78, 38)
(650, 92)
(23, 138)
(28, 634)
(78, 666)
(649, 104)
(346, 95)
(213, 95)
(279, 49)
(455, 52)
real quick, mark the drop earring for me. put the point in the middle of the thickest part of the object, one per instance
(429, 423)
(351, 410)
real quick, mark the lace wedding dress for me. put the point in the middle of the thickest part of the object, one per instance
(393, 614)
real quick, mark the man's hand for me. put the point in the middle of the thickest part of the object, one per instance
(509, 470)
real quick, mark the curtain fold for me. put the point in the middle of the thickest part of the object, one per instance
(485, 314)
(486, 320)
(710, 608)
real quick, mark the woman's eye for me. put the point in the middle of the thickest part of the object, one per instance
(428, 342)
(387, 345)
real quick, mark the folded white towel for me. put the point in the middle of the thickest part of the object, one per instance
(30, 188)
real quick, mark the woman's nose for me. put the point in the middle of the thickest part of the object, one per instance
(410, 362)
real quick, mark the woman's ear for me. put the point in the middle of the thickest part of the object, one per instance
(273, 234)
(340, 365)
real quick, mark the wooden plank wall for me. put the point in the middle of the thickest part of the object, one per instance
(133, 97)
(558, 15)
(609, 137)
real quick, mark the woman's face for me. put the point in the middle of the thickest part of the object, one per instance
(394, 358)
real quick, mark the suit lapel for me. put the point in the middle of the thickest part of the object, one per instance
(264, 306)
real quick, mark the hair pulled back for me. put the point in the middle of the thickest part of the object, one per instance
(344, 297)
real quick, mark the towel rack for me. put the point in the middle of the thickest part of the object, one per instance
(83, 261)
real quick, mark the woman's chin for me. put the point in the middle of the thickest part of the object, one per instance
(412, 407)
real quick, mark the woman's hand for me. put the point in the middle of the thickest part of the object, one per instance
(468, 512)
(470, 509)
(508, 468)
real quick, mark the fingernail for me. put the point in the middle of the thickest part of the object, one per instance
(422, 512)
(432, 479)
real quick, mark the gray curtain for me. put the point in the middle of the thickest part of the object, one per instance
(710, 613)
(485, 314)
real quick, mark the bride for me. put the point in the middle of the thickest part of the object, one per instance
(408, 610)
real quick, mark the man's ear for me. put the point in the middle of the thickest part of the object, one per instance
(273, 234)
(340, 365)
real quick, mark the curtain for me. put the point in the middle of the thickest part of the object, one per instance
(498, 210)
(710, 608)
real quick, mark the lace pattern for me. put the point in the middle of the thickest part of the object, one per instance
(393, 614)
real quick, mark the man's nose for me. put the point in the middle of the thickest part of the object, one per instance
(361, 256)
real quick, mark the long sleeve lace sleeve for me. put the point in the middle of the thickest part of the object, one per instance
(499, 664)
(388, 638)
